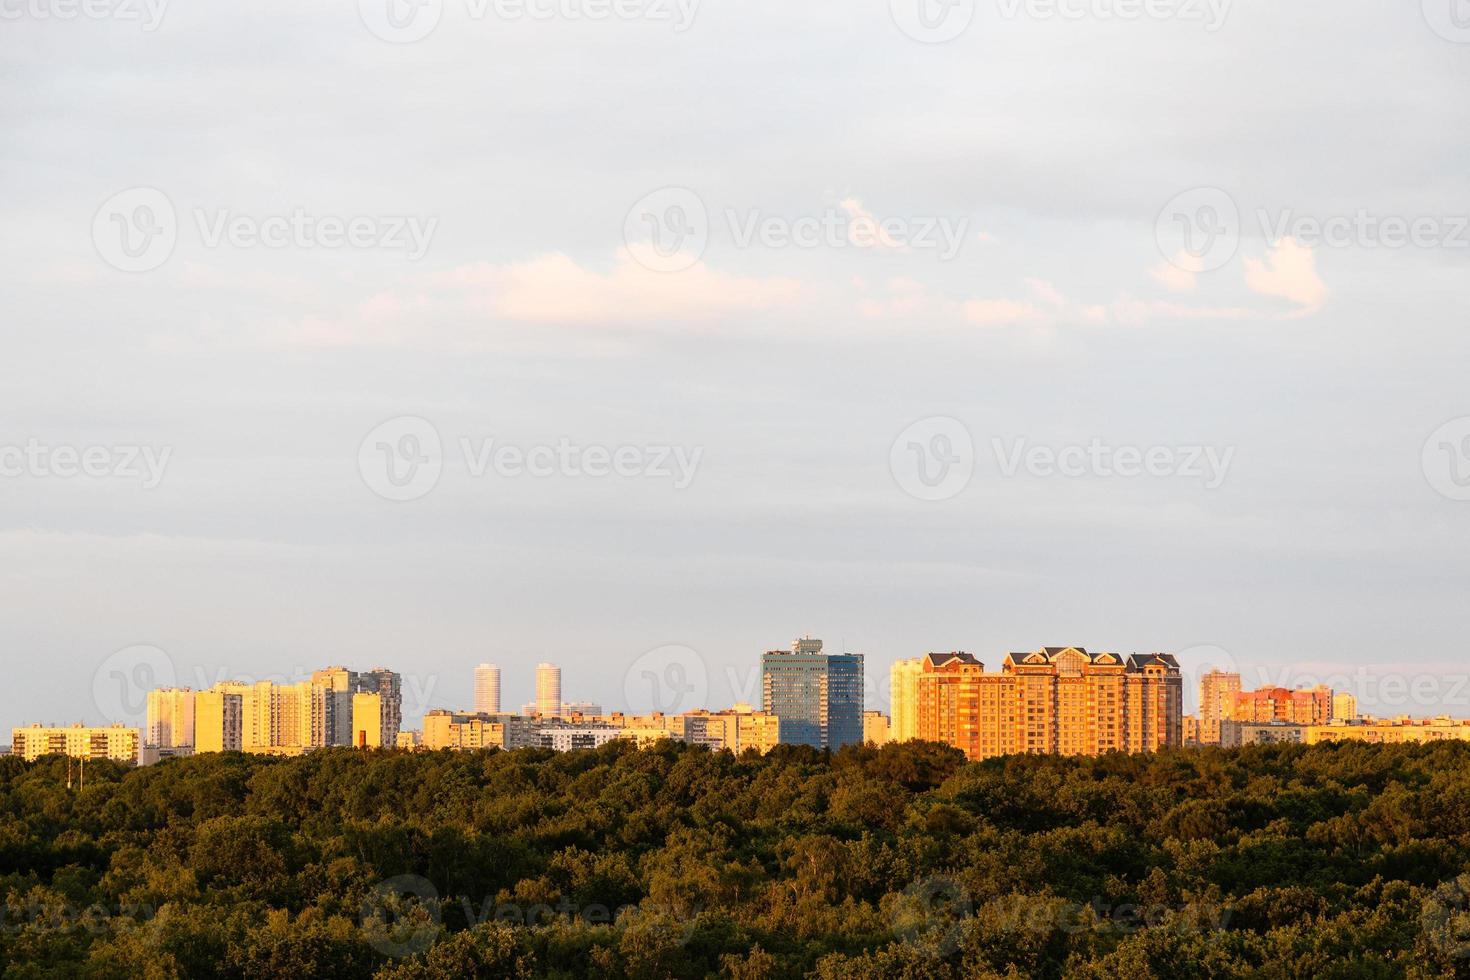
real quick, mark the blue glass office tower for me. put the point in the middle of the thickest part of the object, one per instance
(817, 696)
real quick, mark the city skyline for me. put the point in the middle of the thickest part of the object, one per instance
(1385, 689)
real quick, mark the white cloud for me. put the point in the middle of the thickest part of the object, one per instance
(554, 288)
(1178, 274)
(1289, 271)
(865, 231)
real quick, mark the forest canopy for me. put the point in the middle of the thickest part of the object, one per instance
(1345, 860)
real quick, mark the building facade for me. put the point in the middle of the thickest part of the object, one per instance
(116, 742)
(1218, 690)
(903, 679)
(218, 722)
(487, 689)
(1061, 700)
(1311, 706)
(876, 728)
(170, 721)
(548, 690)
(818, 697)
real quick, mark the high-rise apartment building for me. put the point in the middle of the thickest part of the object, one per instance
(217, 721)
(170, 722)
(1217, 692)
(389, 685)
(1061, 700)
(1344, 707)
(487, 689)
(818, 697)
(876, 728)
(548, 690)
(904, 693)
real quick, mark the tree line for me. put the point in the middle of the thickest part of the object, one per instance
(1347, 860)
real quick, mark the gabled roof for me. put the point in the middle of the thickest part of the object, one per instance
(944, 659)
(1138, 661)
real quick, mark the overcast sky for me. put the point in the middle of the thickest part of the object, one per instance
(979, 327)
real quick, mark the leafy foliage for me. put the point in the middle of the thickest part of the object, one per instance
(1272, 861)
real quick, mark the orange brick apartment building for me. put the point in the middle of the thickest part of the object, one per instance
(1057, 700)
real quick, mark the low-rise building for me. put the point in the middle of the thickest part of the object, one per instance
(1398, 730)
(116, 742)
(478, 730)
(875, 728)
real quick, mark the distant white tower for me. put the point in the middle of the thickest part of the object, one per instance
(548, 690)
(487, 689)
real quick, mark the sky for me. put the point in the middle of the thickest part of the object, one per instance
(644, 336)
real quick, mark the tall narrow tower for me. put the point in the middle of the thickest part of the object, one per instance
(487, 689)
(548, 690)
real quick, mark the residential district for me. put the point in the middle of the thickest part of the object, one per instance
(1063, 700)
